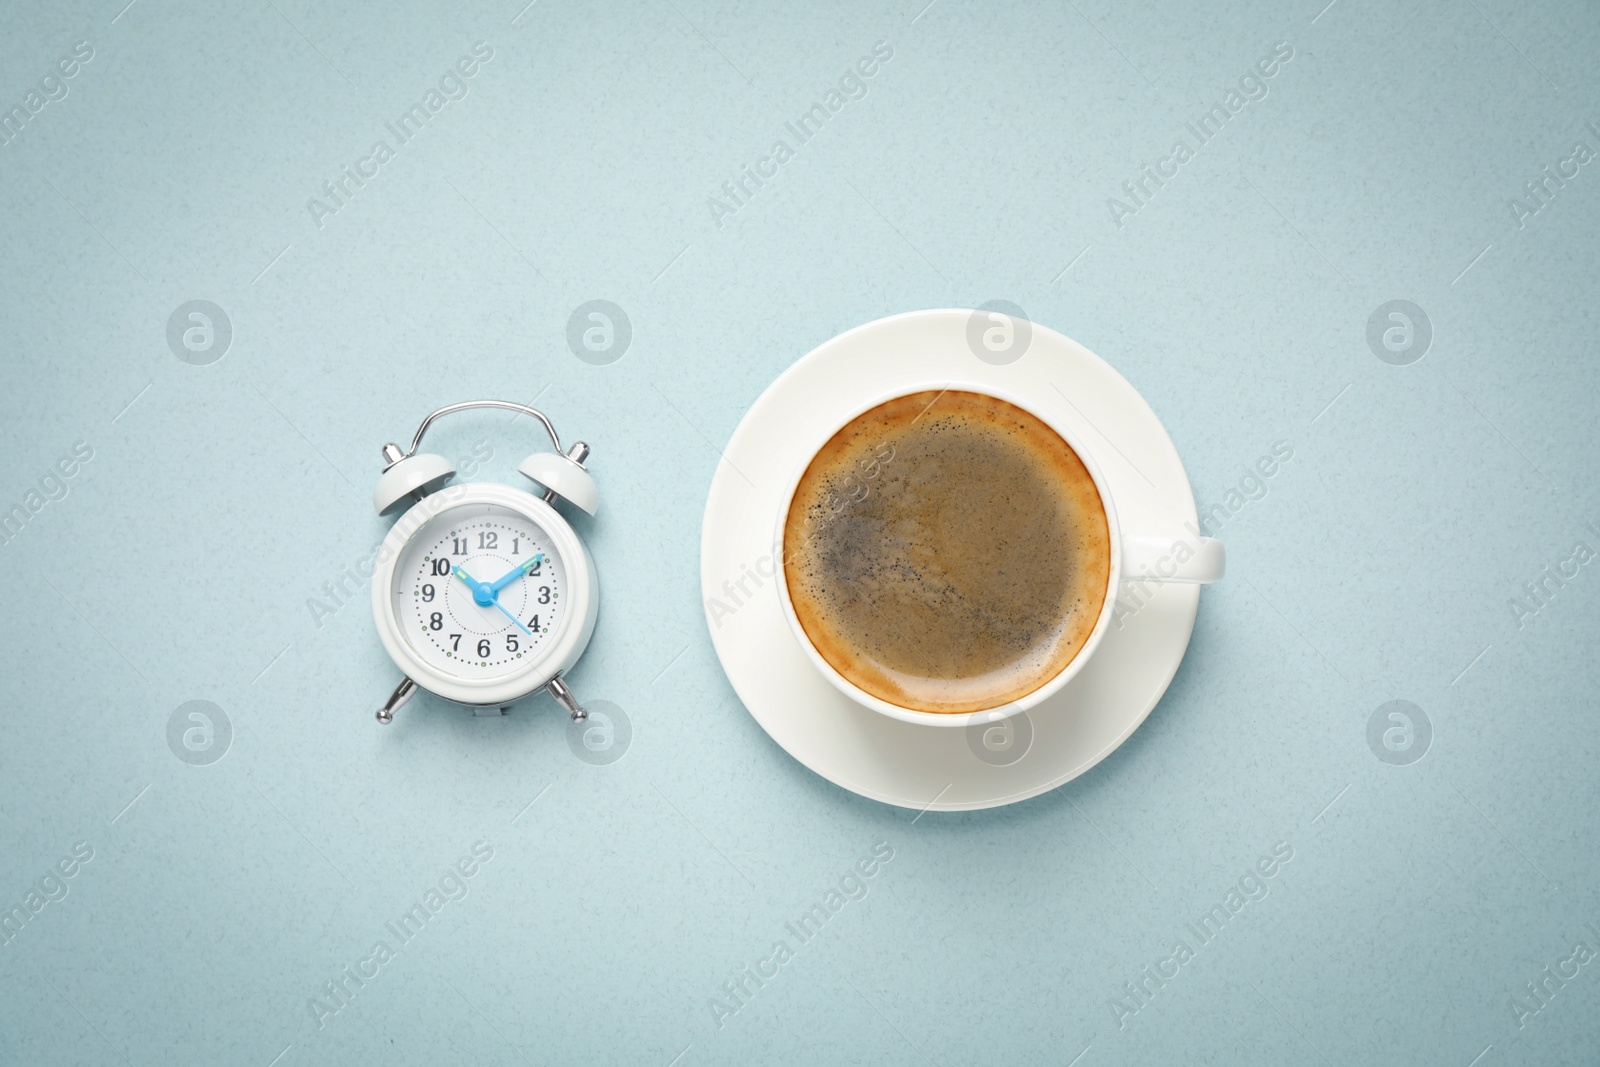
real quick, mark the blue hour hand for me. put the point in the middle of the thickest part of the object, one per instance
(482, 592)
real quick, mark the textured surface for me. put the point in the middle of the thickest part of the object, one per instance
(1390, 558)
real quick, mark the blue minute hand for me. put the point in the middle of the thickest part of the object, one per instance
(516, 572)
(513, 618)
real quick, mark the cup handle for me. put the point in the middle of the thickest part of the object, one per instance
(1191, 560)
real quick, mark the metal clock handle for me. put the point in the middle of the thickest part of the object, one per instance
(503, 405)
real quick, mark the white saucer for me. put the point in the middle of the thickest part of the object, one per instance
(932, 767)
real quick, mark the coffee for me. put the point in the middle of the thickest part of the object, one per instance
(947, 551)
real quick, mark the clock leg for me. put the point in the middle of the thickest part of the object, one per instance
(564, 696)
(401, 694)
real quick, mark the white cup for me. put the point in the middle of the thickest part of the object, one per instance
(1135, 556)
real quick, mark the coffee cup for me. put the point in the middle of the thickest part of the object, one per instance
(892, 595)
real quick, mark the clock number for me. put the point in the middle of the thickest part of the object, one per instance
(455, 642)
(427, 593)
(458, 545)
(483, 649)
(515, 541)
(441, 567)
(436, 621)
(511, 642)
(533, 624)
(544, 594)
(488, 540)
(535, 568)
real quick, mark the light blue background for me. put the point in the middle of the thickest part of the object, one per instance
(1379, 564)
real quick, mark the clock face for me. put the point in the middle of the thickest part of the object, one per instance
(480, 591)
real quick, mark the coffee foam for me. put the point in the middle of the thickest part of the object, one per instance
(947, 552)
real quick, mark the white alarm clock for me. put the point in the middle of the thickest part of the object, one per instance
(483, 593)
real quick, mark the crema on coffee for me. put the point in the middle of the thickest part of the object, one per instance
(947, 552)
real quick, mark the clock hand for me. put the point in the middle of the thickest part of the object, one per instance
(516, 572)
(483, 594)
(513, 618)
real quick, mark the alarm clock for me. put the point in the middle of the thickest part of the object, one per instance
(483, 593)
